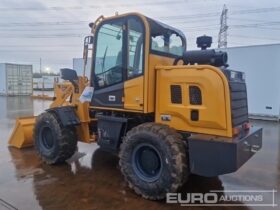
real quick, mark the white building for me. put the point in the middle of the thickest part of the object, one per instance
(261, 64)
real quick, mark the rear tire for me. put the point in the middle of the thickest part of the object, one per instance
(153, 160)
(54, 142)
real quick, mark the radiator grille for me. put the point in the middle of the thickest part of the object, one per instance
(195, 95)
(239, 106)
(176, 94)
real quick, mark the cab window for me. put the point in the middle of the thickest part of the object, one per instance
(169, 43)
(166, 40)
(175, 45)
(108, 64)
(135, 48)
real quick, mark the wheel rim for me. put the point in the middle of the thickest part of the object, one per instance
(147, 162)
(46, 137)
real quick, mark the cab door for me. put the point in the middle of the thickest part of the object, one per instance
(118, 64)
(109, 64)
(134, 83)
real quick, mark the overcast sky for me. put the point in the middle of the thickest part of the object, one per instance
(54, 30)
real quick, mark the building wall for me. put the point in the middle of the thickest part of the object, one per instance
(261, 65)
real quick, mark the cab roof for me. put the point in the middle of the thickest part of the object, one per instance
(158, 27)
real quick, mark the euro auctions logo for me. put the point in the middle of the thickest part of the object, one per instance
(224, 198)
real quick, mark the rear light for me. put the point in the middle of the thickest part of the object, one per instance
(236, 131)
(246, 126)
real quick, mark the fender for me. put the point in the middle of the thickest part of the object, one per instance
(66, 114)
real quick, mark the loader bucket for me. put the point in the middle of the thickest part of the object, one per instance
(22, 133)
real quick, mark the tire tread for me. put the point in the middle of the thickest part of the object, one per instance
(173, 140)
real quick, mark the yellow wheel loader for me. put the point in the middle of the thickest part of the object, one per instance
(165, 111)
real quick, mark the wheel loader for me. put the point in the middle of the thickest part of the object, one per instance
(165, 111)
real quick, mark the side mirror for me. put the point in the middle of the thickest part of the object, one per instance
(68, 74)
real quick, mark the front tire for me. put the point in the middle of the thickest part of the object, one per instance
(54, 142)
(153, 160)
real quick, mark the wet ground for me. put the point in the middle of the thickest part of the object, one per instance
(92, 180)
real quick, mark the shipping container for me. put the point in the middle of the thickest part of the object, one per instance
(15, 79)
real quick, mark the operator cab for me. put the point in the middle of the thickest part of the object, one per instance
(121, 52)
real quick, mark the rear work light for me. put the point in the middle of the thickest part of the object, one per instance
(246, 126)
(236, 131)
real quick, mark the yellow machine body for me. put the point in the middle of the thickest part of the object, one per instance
(150, 93)
(214, 111)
